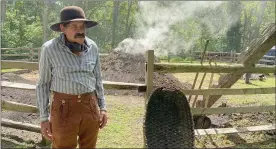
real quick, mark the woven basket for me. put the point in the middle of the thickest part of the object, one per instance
(168, 120)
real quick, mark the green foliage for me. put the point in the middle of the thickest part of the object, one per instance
(176, 59)
(230, 26)
(189, 59)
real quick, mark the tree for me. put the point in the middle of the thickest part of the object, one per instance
(234, 33)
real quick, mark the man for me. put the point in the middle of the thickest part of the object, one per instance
(69, 67)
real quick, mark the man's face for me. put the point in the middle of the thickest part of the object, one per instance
(74, 31)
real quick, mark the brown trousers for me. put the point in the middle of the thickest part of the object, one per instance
(74, 116)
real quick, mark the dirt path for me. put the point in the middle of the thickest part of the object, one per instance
(14, 137)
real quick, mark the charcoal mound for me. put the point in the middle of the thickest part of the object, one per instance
(119, 66)
(168, 120)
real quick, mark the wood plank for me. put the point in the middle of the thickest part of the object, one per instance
(198, 132)
(19, 49)
(19, 65)
(123, 86)
(10, 55)
(107, 85)
(230, 91)
(18, 107)
(220, 68)
(214, 131)
(248, 58)
(142, 88)
(22, 86)
(229, 110)
(19, 125)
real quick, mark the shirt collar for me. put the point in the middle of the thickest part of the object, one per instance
(62, 41)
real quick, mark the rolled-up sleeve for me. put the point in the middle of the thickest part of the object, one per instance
(43, 84)
(99, 83)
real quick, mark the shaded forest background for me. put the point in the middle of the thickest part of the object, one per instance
(26, 23)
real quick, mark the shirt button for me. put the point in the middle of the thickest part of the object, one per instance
(79, 100)
(79, 96)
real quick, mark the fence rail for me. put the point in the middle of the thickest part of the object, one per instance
(198, 132)
(167, 68)
(142, 88)
(106, 84)
(20, 107)
(219, 68)
(32, 53)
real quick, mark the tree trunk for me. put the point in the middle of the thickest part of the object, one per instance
(116, 5)
(256, 32)
(234, 33)
(3, 12)
(127, 19)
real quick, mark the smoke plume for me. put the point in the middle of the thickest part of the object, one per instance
(156, 21)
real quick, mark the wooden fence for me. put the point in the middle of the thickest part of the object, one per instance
(230, 57)
(29, 54)
(148, 87)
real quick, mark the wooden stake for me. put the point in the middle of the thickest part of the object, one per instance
(195, 80)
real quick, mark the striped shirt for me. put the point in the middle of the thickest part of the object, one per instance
(62, 71)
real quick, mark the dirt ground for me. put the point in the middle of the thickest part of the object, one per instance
(132, 68)
(14, 137)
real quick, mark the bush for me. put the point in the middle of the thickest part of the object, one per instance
(189, 59)
(176, 59)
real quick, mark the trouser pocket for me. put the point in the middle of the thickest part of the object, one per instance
(94, 108)
(60, 111)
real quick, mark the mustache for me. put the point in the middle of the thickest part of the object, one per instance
(79, 35)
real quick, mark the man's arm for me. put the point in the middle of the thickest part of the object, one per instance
(43, 85)
(99, 83)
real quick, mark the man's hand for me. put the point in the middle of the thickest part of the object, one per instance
(103, 119)
(46, 130)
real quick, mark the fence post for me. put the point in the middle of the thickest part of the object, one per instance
(31, 54)
(149, 72)
(38, 52)
(148, 81)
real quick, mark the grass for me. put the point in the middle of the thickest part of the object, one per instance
(256, 99)
(124, 129)
(9, 70)
(267, 99)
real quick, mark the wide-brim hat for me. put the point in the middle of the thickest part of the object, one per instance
(72, 13)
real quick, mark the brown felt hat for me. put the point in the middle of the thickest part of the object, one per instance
(72, 13)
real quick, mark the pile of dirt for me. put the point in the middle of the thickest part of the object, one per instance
(124, 67)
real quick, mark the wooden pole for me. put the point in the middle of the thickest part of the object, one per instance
(206, 101)
(19, 125)
(195, 80)
(18, 107)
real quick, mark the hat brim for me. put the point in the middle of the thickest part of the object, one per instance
(88, 24)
